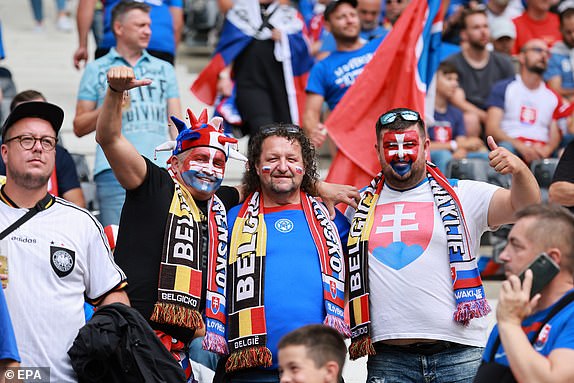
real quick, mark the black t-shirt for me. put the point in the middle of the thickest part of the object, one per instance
(565, 169)
(140, 240)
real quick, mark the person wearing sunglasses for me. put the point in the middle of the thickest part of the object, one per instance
(418, 307)
(57, 253)
(172, 240)
(285, 255)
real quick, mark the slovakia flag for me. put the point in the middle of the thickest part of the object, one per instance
(398, 75)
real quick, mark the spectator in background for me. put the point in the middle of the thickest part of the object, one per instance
(478, 69)
(533, 340)
(64, 179)
(537, 22)
(559, 75)
(312, 354)
(393, 9)
(63, 22)
(561, 189)
(167, 25)
(447, 134)
(145, 113)
(331, 77)
(522, 110)
(503, 34)
(503, 9)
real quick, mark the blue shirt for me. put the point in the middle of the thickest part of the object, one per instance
(293, 285)
(558, 333)
(332, 76)
(447, 125)
(559, 65)
(145, 120)
(8, 347)
(162, 37)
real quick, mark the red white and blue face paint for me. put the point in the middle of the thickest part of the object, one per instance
(203, 169)
(401, 150)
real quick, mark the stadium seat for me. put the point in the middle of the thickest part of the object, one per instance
(477, 169)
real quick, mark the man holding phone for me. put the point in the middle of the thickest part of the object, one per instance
(534, 337)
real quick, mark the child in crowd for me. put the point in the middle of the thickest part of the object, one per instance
(448, 134)
(312, 354)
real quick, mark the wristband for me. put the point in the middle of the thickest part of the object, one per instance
(453, 145)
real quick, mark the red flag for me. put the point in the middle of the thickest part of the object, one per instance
(396, 76)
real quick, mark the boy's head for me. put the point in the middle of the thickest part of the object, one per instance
(312, 354)
(446, 80)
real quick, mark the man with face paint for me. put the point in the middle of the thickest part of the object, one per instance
(416, 296)
(285, 255)
(172, 239)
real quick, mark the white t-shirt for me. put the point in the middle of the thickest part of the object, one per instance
(54, 259)
(409, 269)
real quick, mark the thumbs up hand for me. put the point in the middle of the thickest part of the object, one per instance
(502, 160)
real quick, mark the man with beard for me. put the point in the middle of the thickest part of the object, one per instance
(522, 111)
(285, 255)
(559, 75)
(478, 69)
(331, 77)
(57, 252)
(412, 247)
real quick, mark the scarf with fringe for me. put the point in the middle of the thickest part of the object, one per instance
(247, 327)
(180, 276)
(467, 285)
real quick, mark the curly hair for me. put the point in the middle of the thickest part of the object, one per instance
(293, 133)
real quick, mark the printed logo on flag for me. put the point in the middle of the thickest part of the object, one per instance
(333, 289)
(527, 115)
(401, 232)
(215, 305)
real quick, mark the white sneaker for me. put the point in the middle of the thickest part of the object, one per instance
(64, 24)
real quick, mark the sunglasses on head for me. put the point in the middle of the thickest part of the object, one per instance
(405, 115)
(276, 128)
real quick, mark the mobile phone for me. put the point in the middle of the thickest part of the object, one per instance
(544, 269)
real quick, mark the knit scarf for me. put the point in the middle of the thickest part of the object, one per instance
(467, 285)
(180, 275)
(247, 327)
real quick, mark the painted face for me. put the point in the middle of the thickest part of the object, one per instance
(281, 166)
(203, 169)
(401, 150)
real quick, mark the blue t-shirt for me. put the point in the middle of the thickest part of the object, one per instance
(8, 347)
(559, 65)
(293, 287)
(447, 125)
(162, 37)
(145, 119)
(332, 76)
(557, 333)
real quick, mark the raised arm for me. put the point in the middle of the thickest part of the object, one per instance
(524, 189)
(128, 165)
(84, 19)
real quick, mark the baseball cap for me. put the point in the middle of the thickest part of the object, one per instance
(566, 6)
(330, 8)
(502, 27)
(38, 109)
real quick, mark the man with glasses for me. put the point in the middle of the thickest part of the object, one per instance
(57, 255)
(417, 303)
(522, 111)
(285, 256)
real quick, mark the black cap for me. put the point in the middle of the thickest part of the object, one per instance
(38, 109)
(330, 8)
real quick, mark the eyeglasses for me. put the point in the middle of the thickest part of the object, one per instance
(27, 142)
(406, 115)
(276, 128)
(538, 50)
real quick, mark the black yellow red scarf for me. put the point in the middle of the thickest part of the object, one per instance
(247, 327)
(467, 285)
(180, 276)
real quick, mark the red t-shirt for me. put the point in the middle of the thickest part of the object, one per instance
(528, 29)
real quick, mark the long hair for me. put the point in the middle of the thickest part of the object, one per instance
(292, 133)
